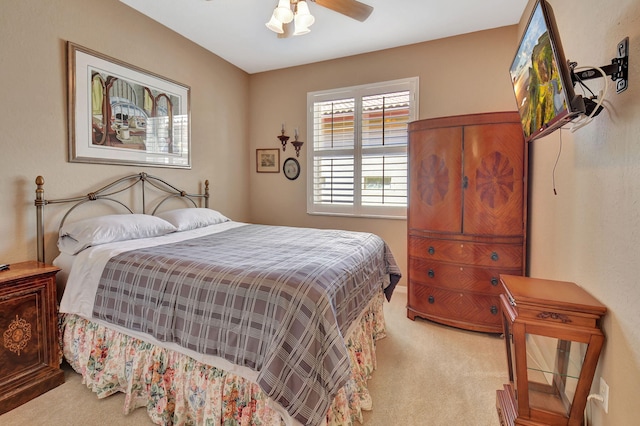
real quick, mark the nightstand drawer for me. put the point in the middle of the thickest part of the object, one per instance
(29, 355)
(23, 329)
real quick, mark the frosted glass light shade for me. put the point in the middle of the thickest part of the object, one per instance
(300, 29)
(303, 17)
(283, 12)
(275, 25)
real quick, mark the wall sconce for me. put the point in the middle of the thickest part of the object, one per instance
(296, 143)
(283, 138)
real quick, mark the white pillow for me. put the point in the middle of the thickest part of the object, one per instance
(77, 236)
(192, 218)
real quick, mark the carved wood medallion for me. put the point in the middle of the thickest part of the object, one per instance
(495, 179)
(17, 336)
(433, 180)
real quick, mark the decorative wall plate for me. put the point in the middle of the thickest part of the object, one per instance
(291, 168)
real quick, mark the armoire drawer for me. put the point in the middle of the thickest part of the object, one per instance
(458, 276)
(467, 252)
(463, 309)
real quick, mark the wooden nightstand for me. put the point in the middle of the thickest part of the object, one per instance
(29, 349)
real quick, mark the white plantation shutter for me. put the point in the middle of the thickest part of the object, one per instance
(358, 154)
(334, 143)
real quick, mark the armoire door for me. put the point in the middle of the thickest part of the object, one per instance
(493, 180)
(435, 176)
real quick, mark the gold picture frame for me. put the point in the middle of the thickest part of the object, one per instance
(268, 160)
(121, 114)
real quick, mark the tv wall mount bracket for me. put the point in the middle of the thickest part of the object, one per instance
(618, 69)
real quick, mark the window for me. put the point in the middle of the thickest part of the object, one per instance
(357, 158)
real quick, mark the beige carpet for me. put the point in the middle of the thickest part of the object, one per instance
(428, 375)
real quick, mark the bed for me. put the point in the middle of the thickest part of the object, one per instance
(204, 320)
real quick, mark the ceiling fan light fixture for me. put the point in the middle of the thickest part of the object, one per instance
(303, 17)
(275, 25)
(300, 27)
(283, 12)
(300, 30)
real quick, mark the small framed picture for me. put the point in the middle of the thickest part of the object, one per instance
(268, 160)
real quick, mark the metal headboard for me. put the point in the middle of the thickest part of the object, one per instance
(106, 193)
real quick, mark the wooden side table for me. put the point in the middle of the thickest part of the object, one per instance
(553, 342)
(29, 349)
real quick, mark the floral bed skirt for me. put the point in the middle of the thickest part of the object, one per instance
(178, 390)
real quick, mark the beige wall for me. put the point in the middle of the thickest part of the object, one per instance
(458, 75)
(588, 233)
(33, 119)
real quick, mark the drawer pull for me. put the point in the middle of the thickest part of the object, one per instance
(494, 281)
(494, 256)
(431, 273)
(432, 300)
(494, 310)
(431, 250)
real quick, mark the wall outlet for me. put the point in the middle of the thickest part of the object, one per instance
(604, 393)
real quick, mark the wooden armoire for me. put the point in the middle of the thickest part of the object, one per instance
(466, 216)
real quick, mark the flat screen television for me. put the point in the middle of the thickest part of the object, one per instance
(541, 77)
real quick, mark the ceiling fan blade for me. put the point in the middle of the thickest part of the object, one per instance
(351, 8)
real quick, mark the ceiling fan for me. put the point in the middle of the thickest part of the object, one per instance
(285, 26)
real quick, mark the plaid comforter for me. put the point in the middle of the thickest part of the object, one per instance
(278, 300)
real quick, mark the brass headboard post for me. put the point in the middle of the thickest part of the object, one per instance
(206, 193)
(40, 202)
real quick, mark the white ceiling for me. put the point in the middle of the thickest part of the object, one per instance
(235, 29)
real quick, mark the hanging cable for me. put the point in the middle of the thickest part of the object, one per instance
(553, 174)
(587, 407)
